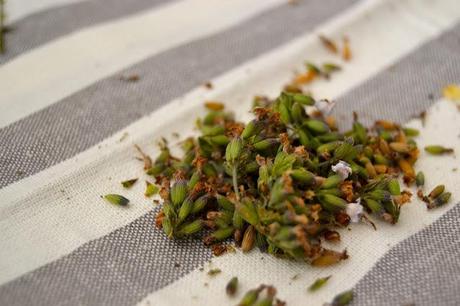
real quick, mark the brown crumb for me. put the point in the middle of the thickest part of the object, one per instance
(346, 51)
(130, 78)
(208, 85)
(218, 249)
(328, 44)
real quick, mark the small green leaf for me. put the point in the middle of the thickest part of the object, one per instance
(283, 162)
(320, 282)
(129, 183)
(116, 199)
(214, 271)
(438, 150)
(343, 299)
(151, 189)
(232, 286)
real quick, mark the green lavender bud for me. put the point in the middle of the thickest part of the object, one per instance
(333, 191)
(442, 199)
(219, 140)
(247, 210)
(345, 151)
(222, 233)
(386, 135)
(249, 298)
(420, 179)
(359, 133)
(237, 220)
(400, 147)
(380, 195)
(393, 187)
(285, 115)
(330, 67)
(331, 181)
(116, 199)
(194, 179)
(327, 147)
(303, 176)
(303, 138)
(209, 170)
(381, 160)
(129, 183)
(266, 301)
(438, 150)
(151, 189)
(190, 228)
(233, 150)
(169, 210)
(185, 209)
(331, 202)
(320, 282)
(266, 144)
(329, 137)
(251, 167)
(282, 163)
(303, 99)
(373, 205)
(410, 132)
(213, 130)
(343, 299)
(312, 67)
(297, 112)
(205, 146)
(178, 192)
(232, 286)
(188, 158)
(249, 130)
(261, 241)
(163, 157)
(316, 126)
(436, 191)
(199, 204)
(368, 152)
(211, 116)
(167, 227)
(224, 203)
(156, 169)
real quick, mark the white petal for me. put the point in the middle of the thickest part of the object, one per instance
(354, 210)
(343, 169)
(324, 106)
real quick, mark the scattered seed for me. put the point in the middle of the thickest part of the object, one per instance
(346, 51)
(150, 189)
(438, 150)
(129, 183)
(328, 44)
(214, 271)
(320, 282)
(232, 286)
(342, 299)
(116, 199)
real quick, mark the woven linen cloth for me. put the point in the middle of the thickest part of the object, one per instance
(69, 119)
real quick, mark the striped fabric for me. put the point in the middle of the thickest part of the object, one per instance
(68, 122)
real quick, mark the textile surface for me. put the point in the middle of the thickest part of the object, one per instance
(69, 119)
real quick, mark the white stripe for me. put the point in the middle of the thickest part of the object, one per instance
(68, 64)
(18, 9)
(39, 224)
(364, 245)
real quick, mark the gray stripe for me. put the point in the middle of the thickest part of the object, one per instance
(100, 271)
(422, 270)
(119, 269)
(82, 120)
(409, 86)
(44, 26)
